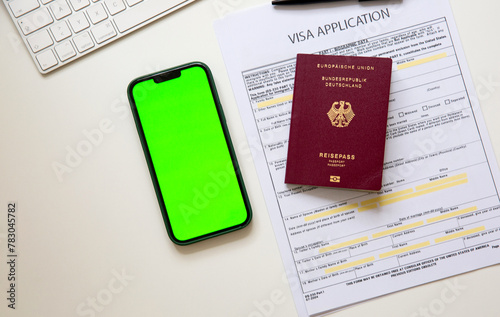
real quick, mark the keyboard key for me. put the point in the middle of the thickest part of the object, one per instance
(20, 7)
(35, 21)
(133, 2)
(83, 42)
(103, 32)
(143, 12)
(46, 59)
(97, 13)
(78, 22)
(60, 9)
(79, 4)
(46, 1)
(65, 51)
(40, 40)
(114, 6)
(60, 31)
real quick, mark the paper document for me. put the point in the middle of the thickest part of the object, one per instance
(438, 213)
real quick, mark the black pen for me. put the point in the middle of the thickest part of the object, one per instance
(305, 1)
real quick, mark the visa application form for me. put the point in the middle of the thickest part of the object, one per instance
(438, 213)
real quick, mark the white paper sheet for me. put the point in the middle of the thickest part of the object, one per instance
(438, 213)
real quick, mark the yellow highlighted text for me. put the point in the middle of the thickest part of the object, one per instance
(330, 212)
(385, 197)
(441, 181)
(349, 265)
(404, 249)
(423, 192)
(422, 61)
(459, 234)
(452, 214)
(343, 244)
(398, 229)
(274, 101)
(365, 208)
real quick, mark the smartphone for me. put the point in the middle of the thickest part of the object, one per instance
(189, 153)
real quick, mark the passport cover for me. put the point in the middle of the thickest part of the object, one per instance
(339, 121)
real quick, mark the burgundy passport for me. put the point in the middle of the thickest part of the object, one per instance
(339, 121)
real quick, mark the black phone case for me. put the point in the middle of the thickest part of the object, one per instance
(170, 74)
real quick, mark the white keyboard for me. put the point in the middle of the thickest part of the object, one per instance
(57, 32)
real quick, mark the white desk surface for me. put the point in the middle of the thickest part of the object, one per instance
(102, 220)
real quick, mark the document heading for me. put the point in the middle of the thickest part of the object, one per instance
(339, 26)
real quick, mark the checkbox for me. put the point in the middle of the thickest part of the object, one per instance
(425, 108)
(447, 102)
(401, 114)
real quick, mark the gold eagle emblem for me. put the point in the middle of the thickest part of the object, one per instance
(341, 114)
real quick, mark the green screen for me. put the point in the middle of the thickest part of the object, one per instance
(190, 155)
